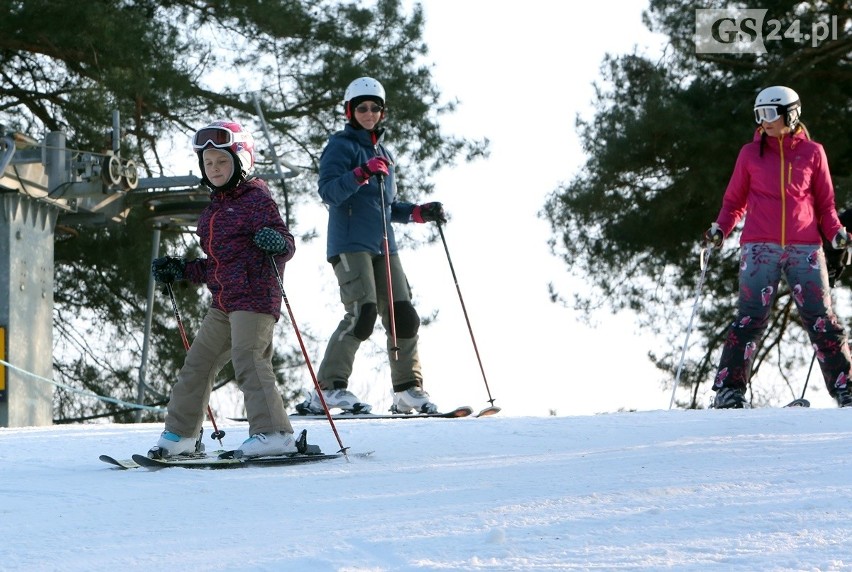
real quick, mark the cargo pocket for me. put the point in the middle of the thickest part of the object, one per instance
(351, 286)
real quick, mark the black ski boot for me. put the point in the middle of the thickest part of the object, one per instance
(729, 398)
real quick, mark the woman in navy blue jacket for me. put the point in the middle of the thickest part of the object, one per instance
(356, 182)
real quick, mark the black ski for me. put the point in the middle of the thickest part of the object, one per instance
(131, 464)
(802, 402)
(221, 459)
(457, 412)
(223, 462)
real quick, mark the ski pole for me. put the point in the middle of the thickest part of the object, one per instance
(808, 378)
(217, 434)
(801, 401)
(307, 359)
(703, 263)
(492, 410)
(388, 279)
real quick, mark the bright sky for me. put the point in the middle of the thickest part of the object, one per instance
(522, 72)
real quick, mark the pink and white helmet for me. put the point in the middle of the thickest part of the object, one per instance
(230, 135)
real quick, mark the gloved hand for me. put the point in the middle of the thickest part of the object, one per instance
(270, 241)
(840, 240)
(714, 236)
(429, 212)
(835, 263)
(375, 166)
(167, 269)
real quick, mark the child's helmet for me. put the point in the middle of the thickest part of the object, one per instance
(228, 135)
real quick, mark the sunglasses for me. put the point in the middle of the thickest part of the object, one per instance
(218, 137)
(767, 114)
(364, 108)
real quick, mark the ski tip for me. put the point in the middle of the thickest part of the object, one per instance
(799, 403)
(463, 411)
(488, 411)
(119, 463)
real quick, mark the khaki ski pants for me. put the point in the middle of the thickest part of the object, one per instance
(363, 282)
(244, 338)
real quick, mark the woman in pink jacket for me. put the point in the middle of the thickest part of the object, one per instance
(782, 185)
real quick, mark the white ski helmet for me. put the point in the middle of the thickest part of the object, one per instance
(361, 89)
(778, 101)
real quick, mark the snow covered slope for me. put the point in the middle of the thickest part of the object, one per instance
(681, 490)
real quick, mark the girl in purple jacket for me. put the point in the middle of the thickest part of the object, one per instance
(782, 186)
(241, 232)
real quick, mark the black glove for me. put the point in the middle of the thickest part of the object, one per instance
(834, 264)
(270, 241)
(167, 269)
(713, 236)
(429, 212)
(840, 240)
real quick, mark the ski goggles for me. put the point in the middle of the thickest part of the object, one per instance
(219, 137)
(767, 114)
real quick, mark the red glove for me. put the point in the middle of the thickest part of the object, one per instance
(375, 166)
(429, 212)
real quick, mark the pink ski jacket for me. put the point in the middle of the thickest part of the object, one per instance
(786, 195)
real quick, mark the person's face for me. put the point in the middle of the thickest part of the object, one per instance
(368, 114)
(775, 128)
(218, 166)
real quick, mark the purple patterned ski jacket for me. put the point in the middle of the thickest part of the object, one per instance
(238, 274)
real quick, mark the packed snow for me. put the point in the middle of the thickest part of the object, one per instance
(760, 489)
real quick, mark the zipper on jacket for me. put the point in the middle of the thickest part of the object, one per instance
(783, 195)
(213, 257)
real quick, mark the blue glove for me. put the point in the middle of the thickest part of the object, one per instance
(167, 269)
(270, 241)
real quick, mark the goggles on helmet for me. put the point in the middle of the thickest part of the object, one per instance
(219, 137)
(767, 114)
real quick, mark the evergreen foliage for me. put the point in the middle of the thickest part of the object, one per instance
(660, 148)
(169, 67)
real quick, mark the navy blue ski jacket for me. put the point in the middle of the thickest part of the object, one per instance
(355, 211)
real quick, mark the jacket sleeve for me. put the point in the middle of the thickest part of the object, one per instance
(401, 211)
(266, 214)
(824, 200)
(336, 180)
(735, 199)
